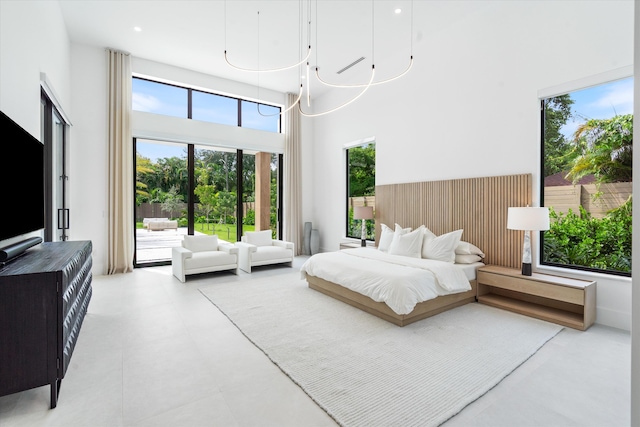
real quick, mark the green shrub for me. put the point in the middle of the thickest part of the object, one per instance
(581, 240)
(250, 217)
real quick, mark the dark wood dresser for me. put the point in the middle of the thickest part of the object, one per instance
(44, 296)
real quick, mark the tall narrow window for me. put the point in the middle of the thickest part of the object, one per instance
(587, 150)
(361, 187)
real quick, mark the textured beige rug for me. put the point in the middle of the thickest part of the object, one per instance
(364, 371)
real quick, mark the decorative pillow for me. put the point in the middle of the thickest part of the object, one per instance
(259, 238)
(466, 248)
(387, 235)
(467, 259)
(407, 244)
(200, 243)
(440, 248)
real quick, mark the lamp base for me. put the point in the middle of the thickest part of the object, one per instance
(363, 243)
(526, 269)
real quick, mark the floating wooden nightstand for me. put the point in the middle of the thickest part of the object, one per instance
(561, 300)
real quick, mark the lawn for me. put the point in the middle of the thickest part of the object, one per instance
(224, 231)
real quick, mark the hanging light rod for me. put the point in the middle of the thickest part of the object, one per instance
(366, 84)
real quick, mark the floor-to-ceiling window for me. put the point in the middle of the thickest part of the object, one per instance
(198, 188)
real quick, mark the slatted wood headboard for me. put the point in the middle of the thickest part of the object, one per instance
(476, 205)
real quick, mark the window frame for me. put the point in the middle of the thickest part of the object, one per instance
(190, 91)
(354, 144)
(566, 89)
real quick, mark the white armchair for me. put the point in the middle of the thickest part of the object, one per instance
(203, 254)
(258, 248)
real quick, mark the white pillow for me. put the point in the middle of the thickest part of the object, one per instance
(467, 259)
(200, 243)
(466, 248)
(387, 235)
(259, 238)
(408, 244)
(440, 248)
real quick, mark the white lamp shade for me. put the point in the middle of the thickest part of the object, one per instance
(363, 212)
(528, 218)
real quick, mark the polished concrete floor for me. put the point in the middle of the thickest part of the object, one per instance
(155, 352)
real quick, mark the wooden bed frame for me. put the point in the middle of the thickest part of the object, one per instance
(421, 311)
(477, 205)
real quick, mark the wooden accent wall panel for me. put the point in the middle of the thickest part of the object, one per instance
(476, 205)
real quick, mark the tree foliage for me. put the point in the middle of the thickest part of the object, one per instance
(558, 152)
(605, 149)
(362, 170)
(172, 201)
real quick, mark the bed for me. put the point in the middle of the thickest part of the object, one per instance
(399, 289)
(478, 206)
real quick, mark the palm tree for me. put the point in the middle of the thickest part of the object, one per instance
(605, 149)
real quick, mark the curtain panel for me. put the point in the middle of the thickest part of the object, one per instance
(120, 181)
(292, 177)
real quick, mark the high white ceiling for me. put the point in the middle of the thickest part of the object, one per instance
(258, 34)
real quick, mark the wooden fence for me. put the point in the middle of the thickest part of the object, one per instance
(362, 201)
(597, 200)
(154, 210)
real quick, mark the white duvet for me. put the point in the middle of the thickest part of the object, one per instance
(398, 281)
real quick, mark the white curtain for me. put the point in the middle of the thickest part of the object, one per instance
(120, 191)
(292, 177)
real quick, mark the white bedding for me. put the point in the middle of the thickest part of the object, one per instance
(398, 281)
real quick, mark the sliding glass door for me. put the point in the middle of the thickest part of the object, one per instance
(197, 189)
(54, 132)
(161, 197)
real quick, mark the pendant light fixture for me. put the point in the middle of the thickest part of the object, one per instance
(304, 61)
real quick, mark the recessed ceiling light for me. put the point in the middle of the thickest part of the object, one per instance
(397, 11)
(138, 29)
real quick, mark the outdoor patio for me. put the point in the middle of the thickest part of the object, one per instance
(152, 246)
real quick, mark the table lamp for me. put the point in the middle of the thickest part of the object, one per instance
(527, 219)
(363, 213)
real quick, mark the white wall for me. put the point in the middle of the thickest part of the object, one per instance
(635, 326)
(33, 40)
(470, 108)
(88, 154)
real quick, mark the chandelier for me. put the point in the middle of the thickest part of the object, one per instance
(304, 60)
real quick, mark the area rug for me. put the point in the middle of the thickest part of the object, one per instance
(364, 371)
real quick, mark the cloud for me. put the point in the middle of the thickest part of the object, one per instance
(616, 99)
(147, 103)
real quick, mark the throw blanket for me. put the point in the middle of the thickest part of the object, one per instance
(400, 282)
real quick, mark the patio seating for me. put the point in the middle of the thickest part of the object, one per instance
(157, 224)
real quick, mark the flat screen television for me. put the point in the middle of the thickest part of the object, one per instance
(21, 181)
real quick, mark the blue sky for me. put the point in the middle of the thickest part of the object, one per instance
(600, 102)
